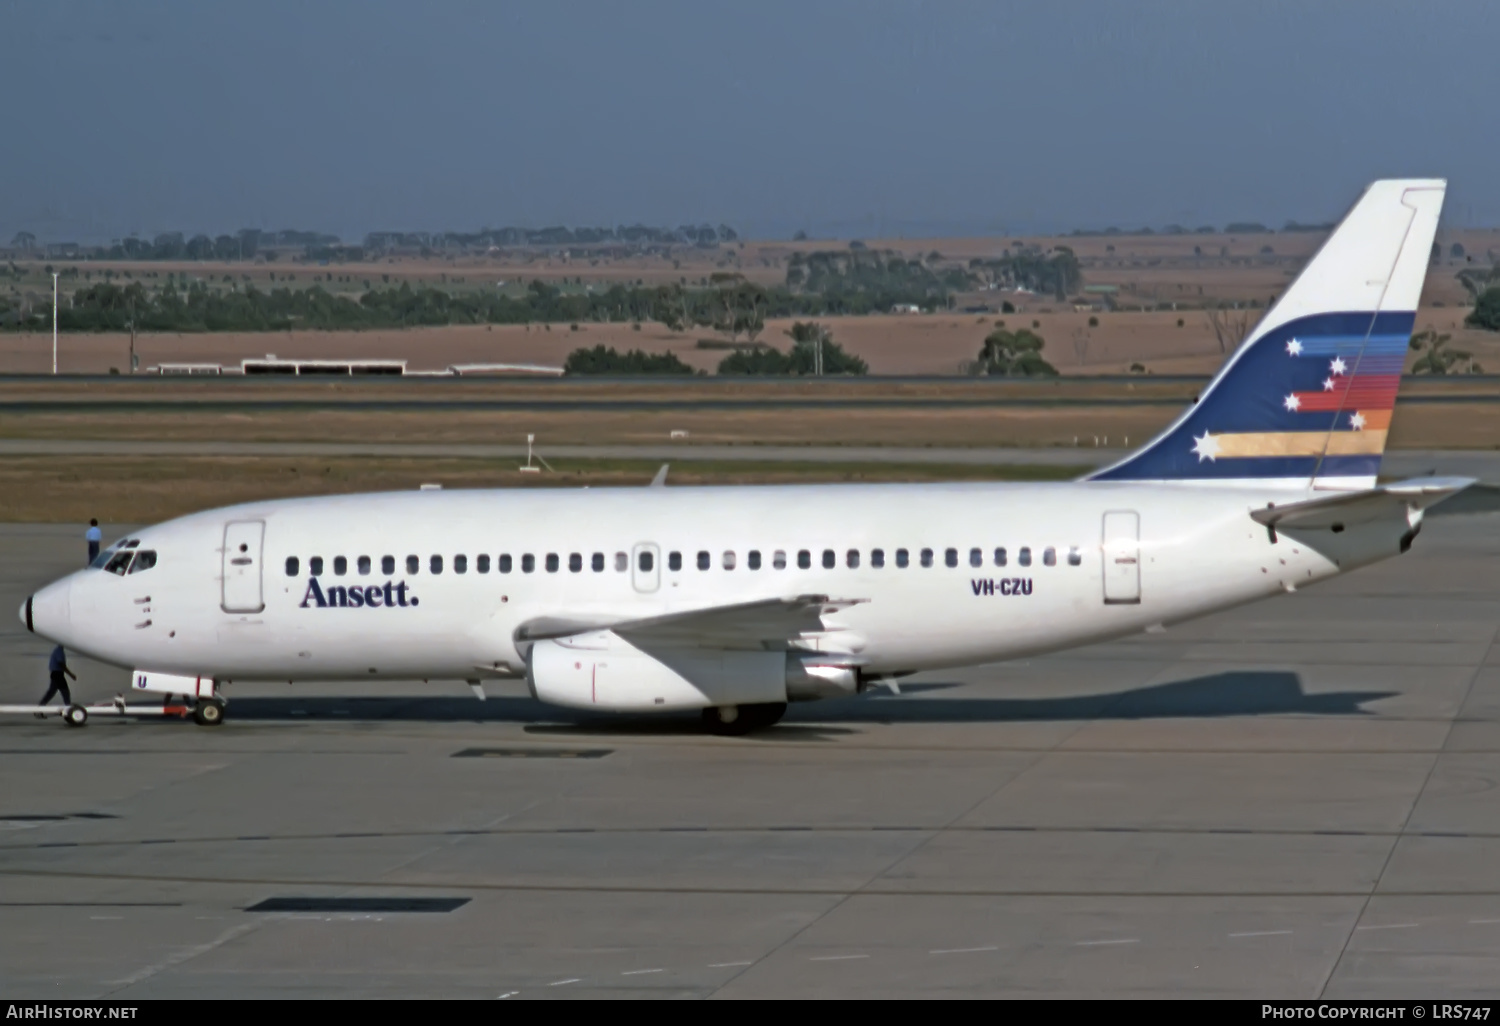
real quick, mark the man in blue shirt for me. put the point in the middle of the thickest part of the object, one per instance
(94, 536)
(57, 666)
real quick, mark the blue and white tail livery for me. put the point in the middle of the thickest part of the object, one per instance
(1306, 401)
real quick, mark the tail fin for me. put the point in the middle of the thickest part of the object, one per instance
(1306, 401)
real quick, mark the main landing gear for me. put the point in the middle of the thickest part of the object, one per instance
(208, 712)
(738, 720)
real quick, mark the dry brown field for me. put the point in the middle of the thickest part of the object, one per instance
(912, 345)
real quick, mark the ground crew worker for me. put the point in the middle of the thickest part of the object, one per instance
(57, 666)
(94, 536)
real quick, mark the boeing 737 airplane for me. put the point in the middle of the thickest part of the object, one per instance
(738, 600)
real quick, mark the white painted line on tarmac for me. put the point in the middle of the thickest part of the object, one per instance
(642, 972)
(559, 983)
(835, 958)
(1262, 933)
(962, 951)
(1389, 926)
(1101, 943)
(1483, 922)
(508, 993)
(727, 965)
(106, 917)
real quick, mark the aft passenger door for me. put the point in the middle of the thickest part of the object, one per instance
(1122, 557)
(243, 540)
(645, 567)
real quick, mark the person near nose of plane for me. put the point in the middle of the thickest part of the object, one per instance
(93, 536)
(57, 666)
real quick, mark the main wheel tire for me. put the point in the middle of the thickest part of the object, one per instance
(75, 716)
(209, 712)
(739, 720)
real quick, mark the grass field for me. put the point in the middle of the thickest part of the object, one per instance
(151, 489)
(986, 413)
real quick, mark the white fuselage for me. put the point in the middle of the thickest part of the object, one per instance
(1197, 551)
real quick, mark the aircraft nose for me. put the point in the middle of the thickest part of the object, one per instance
(49, 611)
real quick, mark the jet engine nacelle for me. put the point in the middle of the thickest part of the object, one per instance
(601, 670)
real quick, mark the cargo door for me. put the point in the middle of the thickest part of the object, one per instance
(1122, 557)
(243, 540)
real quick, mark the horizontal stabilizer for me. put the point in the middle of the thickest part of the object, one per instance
(1480, 498)
(1400, 499)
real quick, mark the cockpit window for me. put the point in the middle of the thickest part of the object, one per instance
(144, 560)
(118, 561)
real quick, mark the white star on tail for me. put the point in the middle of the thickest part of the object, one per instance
(1357, 421)
(1206, 447)
(1337, 366)
(1294, 348)
(1328, 385)
(1292, 402)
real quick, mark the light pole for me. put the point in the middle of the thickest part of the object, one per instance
(54, 322)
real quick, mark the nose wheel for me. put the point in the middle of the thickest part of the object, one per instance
(209, 712)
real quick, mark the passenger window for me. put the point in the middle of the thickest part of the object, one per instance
(674, 561)
(703, 561)
(119, 561)
(435, 564)
(1000, 559)
(315, 566)
(528, 563)
(752, 559)
(877, 558)
(144, 560)
(503, 564)
(363, 564)
(460, 564)
(575, 562)
(804, 559)
(1075, 556)
(976, 557)
(851, 559)
(597, 563)
(950, 557)
(388, 565)
(340, 566)
(645, 561)
(481, 564)
(903, 558)
(778, 559)
(1049, 556)
(622, 562)
(553, 562)
(413, 564)
(927, 557)
(728, 560)
(830, 559)
(1024, 556)
(292, 566)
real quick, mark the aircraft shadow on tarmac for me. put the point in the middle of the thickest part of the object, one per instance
(1248, 693)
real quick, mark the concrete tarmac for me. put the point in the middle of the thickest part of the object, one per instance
(1292, 800)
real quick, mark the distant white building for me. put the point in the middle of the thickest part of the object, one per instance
(906, 308)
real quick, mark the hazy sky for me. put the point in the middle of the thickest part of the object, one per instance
(861, 117)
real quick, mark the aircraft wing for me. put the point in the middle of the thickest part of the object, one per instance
(1396, 500)
(767, 623)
